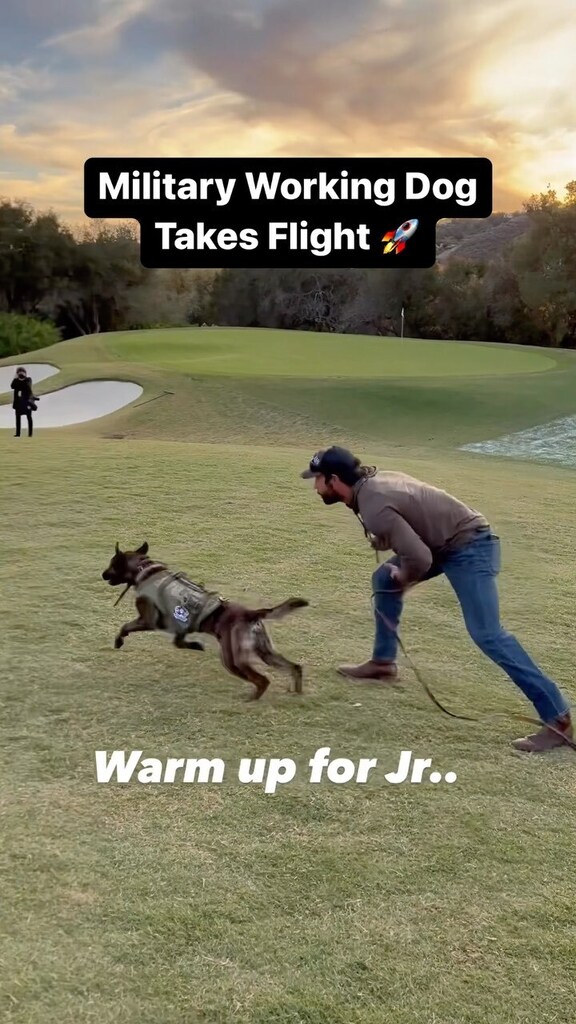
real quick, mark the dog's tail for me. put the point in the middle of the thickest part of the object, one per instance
(279, 611)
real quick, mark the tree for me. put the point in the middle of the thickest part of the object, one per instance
(460, 309)
(19, 334)
(36, 254)
(96, 294)
(508, 318)
(545, 264)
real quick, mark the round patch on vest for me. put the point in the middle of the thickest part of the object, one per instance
(181, 614)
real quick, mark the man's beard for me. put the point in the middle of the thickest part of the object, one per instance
(331, 499)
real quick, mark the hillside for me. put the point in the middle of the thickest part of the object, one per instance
(480, 239)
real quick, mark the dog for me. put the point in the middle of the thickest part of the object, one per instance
(170, 602)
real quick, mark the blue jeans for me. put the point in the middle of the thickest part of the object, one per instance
(472, 573)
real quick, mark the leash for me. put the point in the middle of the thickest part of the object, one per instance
(125, 591)
(143, 570)
(462, 718)
(391, 627)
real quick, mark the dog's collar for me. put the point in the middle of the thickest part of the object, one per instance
(148, 570)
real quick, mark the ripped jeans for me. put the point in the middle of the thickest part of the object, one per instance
(472, 572)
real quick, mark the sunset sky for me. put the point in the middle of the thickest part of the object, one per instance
(82, 78)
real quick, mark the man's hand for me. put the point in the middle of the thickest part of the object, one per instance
(398, 576)
(375, 542)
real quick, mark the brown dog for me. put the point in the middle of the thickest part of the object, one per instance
(172, 603)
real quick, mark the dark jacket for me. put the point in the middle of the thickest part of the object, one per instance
(23, 394)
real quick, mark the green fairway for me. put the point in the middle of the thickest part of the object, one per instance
(269, 353)
(318, 904)
(336, 394)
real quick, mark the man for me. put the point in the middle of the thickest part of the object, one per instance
(431, 533)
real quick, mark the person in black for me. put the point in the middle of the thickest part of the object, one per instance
(24, 401)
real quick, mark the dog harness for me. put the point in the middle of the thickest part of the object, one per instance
(184, 604)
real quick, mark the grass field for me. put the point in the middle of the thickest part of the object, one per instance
(318, 904)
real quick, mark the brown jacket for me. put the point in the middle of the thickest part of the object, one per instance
(417, 521)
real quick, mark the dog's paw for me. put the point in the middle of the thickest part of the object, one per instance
(118, 643)
(188, 645)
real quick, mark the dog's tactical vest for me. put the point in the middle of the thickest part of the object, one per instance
(183, 604)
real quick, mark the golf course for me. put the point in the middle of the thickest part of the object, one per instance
(318, 903)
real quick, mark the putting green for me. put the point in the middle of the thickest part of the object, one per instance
(247, 352)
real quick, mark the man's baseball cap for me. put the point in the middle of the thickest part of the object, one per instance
(328, 461)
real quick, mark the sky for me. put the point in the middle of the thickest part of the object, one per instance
(344, 78)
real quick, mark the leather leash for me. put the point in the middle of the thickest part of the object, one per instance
(125, 591)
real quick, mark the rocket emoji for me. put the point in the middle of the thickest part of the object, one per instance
(396, 240)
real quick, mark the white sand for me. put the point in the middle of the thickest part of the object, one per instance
(77, 403)
(37, 371)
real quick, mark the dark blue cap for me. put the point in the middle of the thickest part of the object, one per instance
(331, 461)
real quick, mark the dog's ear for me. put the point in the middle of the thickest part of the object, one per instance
(117, 548)
(144, 549)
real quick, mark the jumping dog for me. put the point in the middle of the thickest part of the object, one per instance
(170, 602)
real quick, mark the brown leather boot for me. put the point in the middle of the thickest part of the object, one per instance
(381, 670)
(546, 739)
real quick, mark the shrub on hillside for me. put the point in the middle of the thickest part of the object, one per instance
(19, 334)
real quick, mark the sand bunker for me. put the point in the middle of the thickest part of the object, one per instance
(37, 371)
(77, 403)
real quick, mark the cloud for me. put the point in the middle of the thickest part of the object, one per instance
(412, 79)
(382, 76)
(17, 80)
(27, 23)
(48, 147)
(102, 31)
(46, 191)
(372, 62)
(288, 77)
